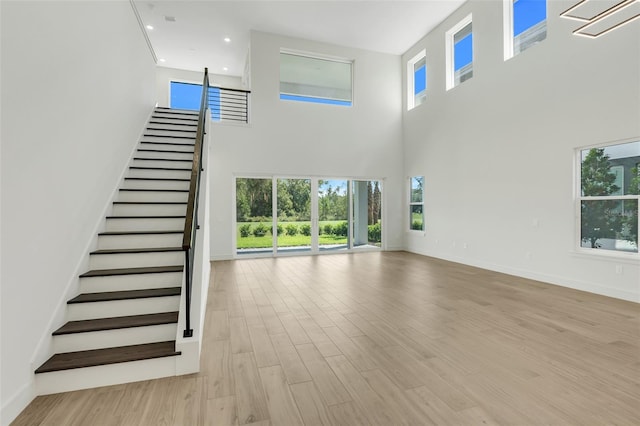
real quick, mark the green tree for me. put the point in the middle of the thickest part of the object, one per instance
(599, 217)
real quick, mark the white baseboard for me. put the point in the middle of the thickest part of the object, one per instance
(16, 403)
(537, 276)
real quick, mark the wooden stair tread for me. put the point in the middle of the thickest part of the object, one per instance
(147, 217)
(137, 250)
(165, 150)
(168, 136)
(160, 179)
(108, 296)
(170, 143)
(95, 357)
(169, 130)
(132, 271)
(152, 190)
(160, 168)
(149, 202)
(140, 232)
(162, 159)
(114, 323)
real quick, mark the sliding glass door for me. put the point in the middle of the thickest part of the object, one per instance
(282, 215)
(293, 220)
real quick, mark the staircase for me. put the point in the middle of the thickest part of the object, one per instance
(122, 326)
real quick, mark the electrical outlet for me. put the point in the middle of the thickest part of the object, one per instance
(619, 269)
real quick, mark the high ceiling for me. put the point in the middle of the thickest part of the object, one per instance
(190, 34)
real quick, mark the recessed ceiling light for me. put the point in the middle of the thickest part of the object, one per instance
(162, 60)
(227, 40)
(225, 69)
(149, 27)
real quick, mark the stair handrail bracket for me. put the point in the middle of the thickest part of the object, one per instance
(191, 219)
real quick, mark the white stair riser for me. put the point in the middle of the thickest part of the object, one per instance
(104, 375)
(165, 155)
(160, 123)
(155, 184)
(174, 141)
(187, 133)
(149, 210)
(188, 149)
(164, 120)
(186, 164)
(134, 260)
(191, 115)
(137, 241)
(117, 308)
(131, 282)
(150, 173)
(144, 224)
(114, 338)
(153, 196)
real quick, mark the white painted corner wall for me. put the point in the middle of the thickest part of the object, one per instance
(498, 151)
(71, 116)
(288, 138)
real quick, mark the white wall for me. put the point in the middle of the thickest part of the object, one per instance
(164, 77)
(77, 87)
(304, 139)
(497, 152)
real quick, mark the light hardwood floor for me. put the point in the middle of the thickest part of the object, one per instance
(388, 339)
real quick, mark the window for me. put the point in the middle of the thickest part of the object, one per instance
(525, 24)
(459, 53)
(313, 79)
(417, 80)
(416, 203)
(609, 191)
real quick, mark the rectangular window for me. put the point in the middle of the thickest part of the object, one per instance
(459, 53)
(525, 24)
(609, 194)
(416, 203)
(417, 80)
(314, 79)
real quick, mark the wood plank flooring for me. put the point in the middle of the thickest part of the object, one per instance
(385, 339)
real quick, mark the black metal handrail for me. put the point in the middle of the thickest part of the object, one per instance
(191, 220)
(229, 105)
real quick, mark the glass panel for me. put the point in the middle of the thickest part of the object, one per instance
(310, 79)
(416, 218)
(367, 214)
(612, 170)
(293, 227)
(333, 214)
(416, 189)
(610, 225)
(463, 55)
(420, 81)
(185, 95)
(528, 13)
(529, 23)
(254, 215)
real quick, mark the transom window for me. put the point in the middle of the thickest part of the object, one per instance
(609, 180)
(315, 79)
(459, 53)
(525, 24)
(417, 80)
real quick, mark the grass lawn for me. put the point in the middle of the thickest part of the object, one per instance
(287, 240)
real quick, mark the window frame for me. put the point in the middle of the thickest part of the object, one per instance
(412, 203)
(619, 255)
(450, 50)
(411, 80)
(318, 99)
(508, 22)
